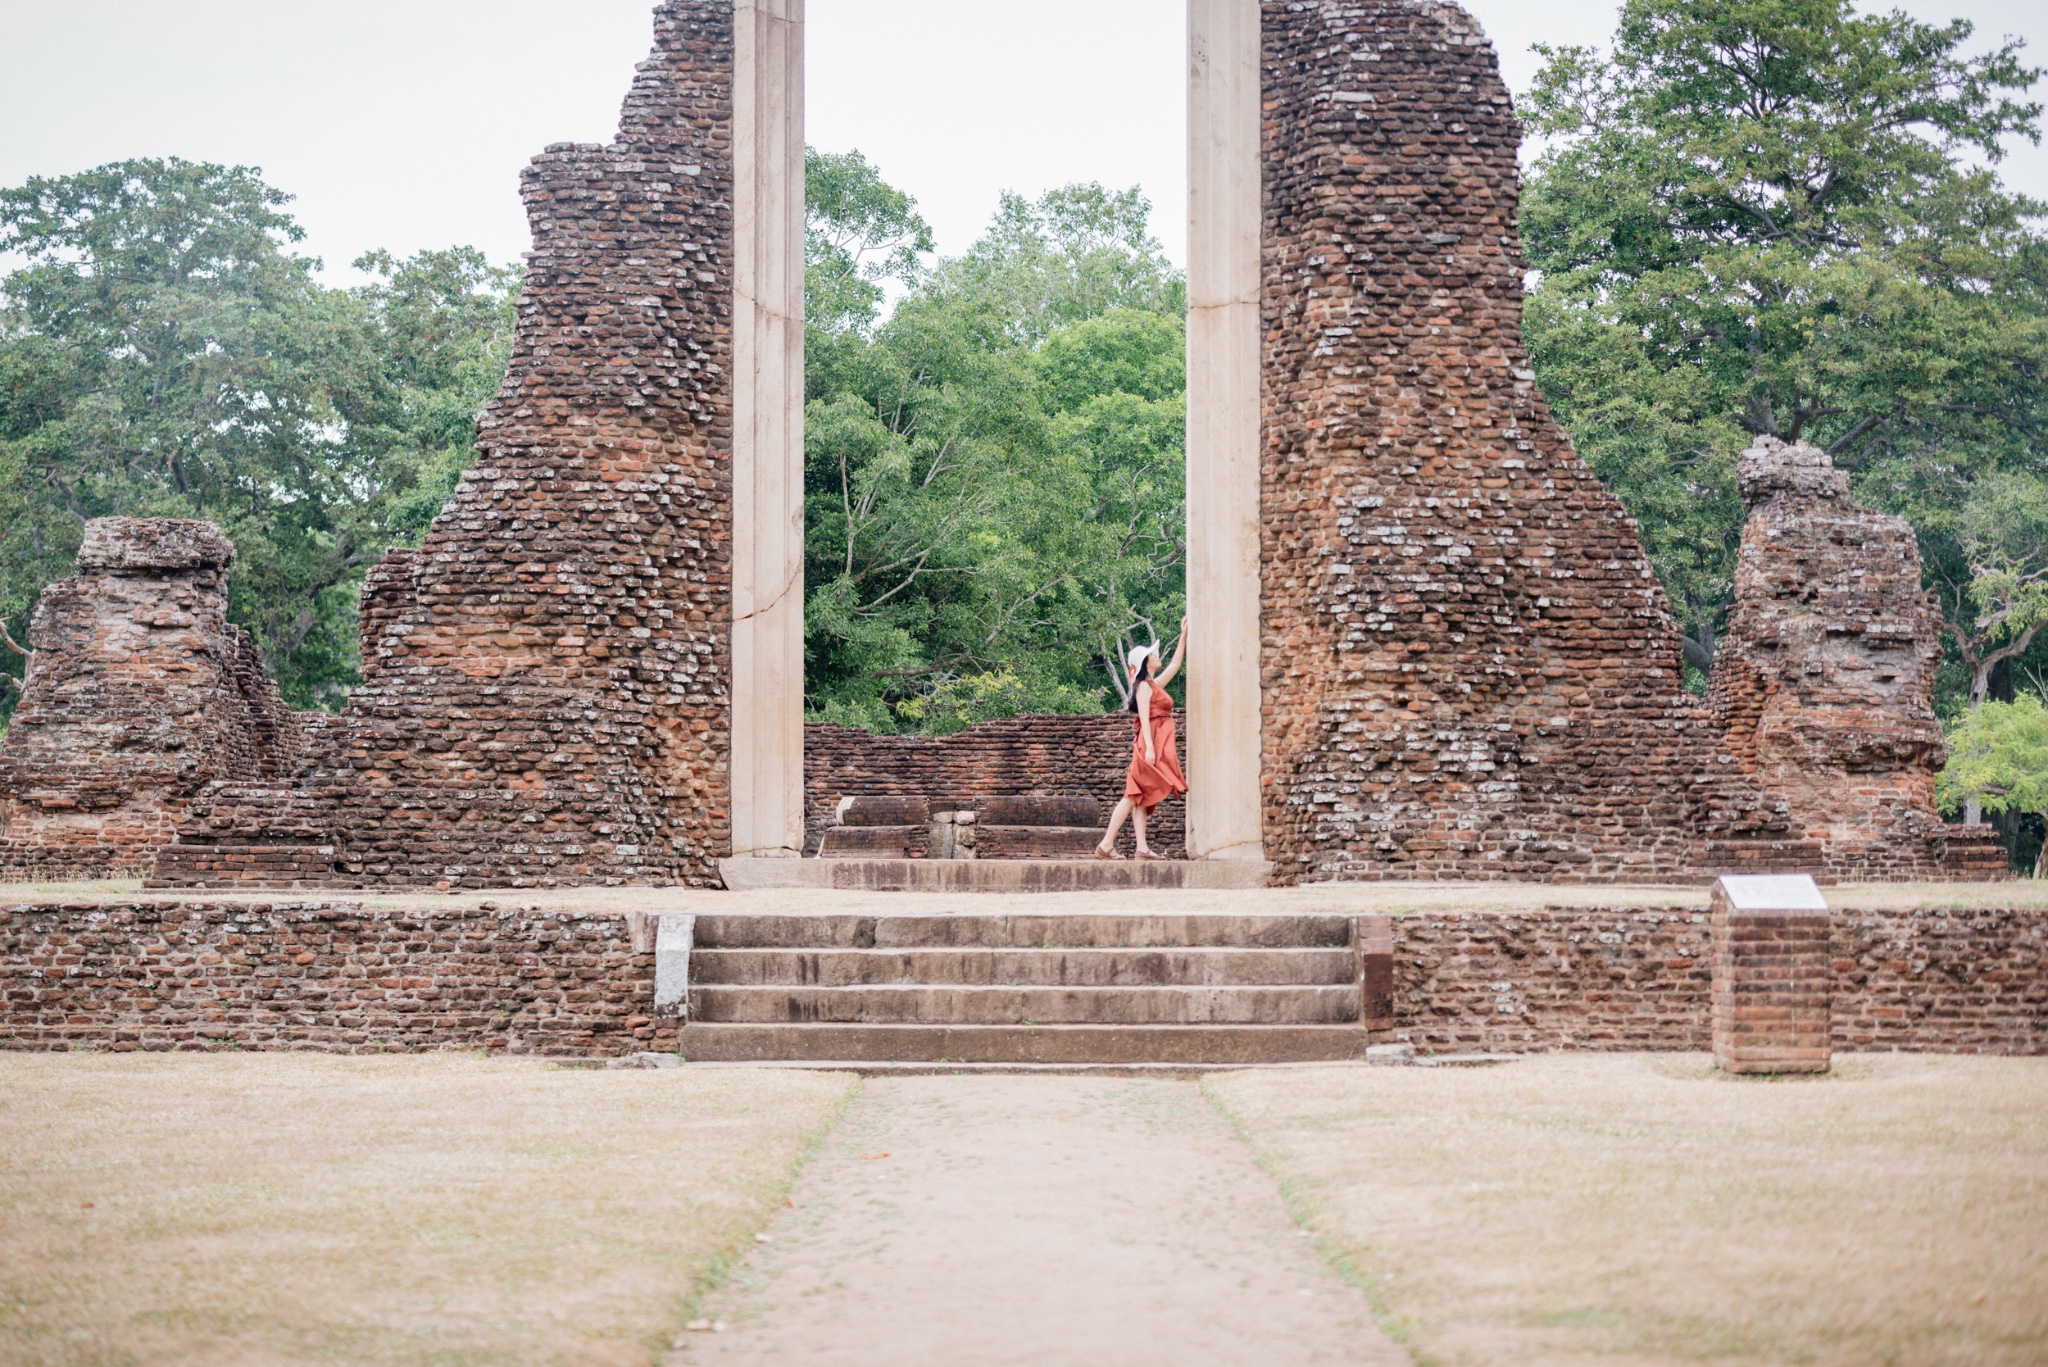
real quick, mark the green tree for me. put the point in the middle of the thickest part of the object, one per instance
(163, 352)
(1995, 592)
(994, 485)
(1998, 761)
(1758, 217)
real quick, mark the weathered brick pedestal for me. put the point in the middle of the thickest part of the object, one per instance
(1771, 975)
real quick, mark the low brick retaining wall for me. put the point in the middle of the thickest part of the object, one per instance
(176, 975)
(1961, 981)
(181, 975)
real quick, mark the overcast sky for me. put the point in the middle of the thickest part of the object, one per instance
(404, 123)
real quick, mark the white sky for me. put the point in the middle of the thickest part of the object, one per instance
(404, 123)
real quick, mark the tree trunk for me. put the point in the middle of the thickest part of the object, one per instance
(1973, 812)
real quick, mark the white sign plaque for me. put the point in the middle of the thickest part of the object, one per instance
(1772, 892)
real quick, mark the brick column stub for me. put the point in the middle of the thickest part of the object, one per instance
(1772, 993)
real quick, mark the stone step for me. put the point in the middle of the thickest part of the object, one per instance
(883, 811)
(1031, 809)
(927, 1005)
(1055, 931)
(1218, 1045)
(1035, 842)
(872, 842)
(1025, 967)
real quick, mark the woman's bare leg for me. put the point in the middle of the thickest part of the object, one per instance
(1138, 824)
(1116, 821)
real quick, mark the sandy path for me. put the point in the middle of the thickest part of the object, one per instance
(1041, 1221)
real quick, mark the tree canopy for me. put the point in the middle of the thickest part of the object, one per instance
(165, 352)
(995, 492)
(1763, 217)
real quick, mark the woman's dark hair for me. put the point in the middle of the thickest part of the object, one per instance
(1144, 673)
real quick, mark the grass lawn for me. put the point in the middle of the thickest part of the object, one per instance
(288, 1208)
(1643, 1208)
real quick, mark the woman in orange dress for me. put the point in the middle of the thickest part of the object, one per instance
(1155, 773)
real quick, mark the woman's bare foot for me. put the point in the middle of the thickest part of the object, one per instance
(1105, 852)
(1151, 857)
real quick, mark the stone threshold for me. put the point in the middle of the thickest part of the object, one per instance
(941, 1068)
(994, 875)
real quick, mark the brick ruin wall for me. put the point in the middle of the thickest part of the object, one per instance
(192, 976)
(1469, 670)
(139, 694)
(1824, 684)
(544, 698)
(337, 978)
(1014, 756)
(1468, 667)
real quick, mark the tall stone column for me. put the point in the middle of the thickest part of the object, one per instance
(768, 429)
(1224, 809)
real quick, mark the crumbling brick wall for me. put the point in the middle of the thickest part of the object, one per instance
(544, 698)
(1824, 683)
(1468, 667)
(1013, 756)
(329, 977)
(139, 694)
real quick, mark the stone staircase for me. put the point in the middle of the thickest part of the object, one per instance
(1033, 989)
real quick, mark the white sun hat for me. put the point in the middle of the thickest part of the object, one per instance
(1136, 659)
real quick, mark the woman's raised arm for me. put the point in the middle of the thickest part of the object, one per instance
(1179, 648)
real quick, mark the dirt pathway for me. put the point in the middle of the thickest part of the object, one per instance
(987, 1220)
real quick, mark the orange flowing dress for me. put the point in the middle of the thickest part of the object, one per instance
(1149, 783)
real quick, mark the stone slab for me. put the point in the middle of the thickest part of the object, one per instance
(1773, 892)
(986, 967)
(1209, 1045)
(992, 875)
(1000, 1004)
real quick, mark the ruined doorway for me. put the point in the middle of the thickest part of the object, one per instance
(1223, 744)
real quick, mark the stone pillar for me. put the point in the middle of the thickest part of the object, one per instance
(1224, 808)
(1771, 975)
(768, 429)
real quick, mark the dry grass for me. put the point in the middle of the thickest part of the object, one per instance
(1639, 1209)
(227, 1210)
(1349, 898)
